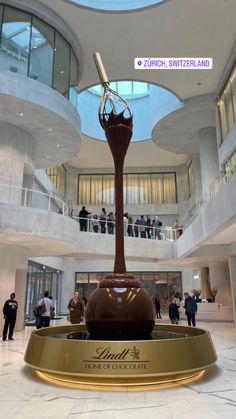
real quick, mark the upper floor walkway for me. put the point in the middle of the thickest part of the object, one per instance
(35, 221)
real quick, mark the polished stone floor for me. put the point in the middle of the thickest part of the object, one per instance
(24, 396)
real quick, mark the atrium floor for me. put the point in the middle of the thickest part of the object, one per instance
(24, 396)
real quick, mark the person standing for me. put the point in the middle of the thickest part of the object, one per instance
(142, 227)
(125, 223)
(174, 311)
(190, 309)
(76, 309)
(103, 220)
(110, 223)
(136, 228)
(178, 229)
(95, 223)
(83, 222)
(52, 308)
(9, 313)
(44, 317)
(148, 227)
(130, 226)
(157, 306)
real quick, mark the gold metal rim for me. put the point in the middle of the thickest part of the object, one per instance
(135, 385)
(120, 363)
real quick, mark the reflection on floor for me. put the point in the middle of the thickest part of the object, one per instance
(24, 396)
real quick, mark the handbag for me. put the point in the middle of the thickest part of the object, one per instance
(42, 309)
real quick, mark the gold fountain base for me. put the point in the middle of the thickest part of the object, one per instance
(179, 353)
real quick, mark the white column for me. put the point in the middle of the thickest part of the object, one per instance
(232, 270)
(208, 157)
(20, 290)
(188, 280)
(17, 149)
(68, 284)
(218, 273)
(197, 176)
(11, 258)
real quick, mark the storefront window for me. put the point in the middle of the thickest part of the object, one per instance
(41, 278)
(163, 284)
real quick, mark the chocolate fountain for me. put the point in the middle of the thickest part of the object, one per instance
(119, 308)
(120, 348)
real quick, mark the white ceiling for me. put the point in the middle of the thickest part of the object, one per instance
(176, 28)
(96, 154)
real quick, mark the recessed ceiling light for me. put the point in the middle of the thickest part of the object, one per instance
(47, 157)
(20, 114)
(58, 145)
(50, 129)
(62, 71)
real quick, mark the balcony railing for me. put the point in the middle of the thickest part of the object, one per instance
(206, 197)
(18, 195)
(94, 225)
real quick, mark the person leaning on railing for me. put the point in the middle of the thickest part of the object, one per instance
(95, 223)
(157, 227)
(83, 222)
(178, 229)
(102, 220)
(110, 223)
(142, 227)
(136, 228)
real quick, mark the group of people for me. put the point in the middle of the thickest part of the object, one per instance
(147, 227)
(189, 304)
(76, 306)
(144, 227)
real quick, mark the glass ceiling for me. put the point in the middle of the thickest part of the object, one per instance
(116, 5)
(19, 32)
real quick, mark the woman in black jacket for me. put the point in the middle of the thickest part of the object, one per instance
(174, 312)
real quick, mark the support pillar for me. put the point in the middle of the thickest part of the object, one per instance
(11, 259)
(20, 290)
(205, 282)
(232, 270)
(218, 273)
(197, 176)
(17, 149)
(209, 161)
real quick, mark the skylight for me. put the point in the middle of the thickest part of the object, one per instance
(148, 103)
(127, 89)
(116, 5)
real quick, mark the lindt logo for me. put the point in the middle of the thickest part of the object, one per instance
(106, 353)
